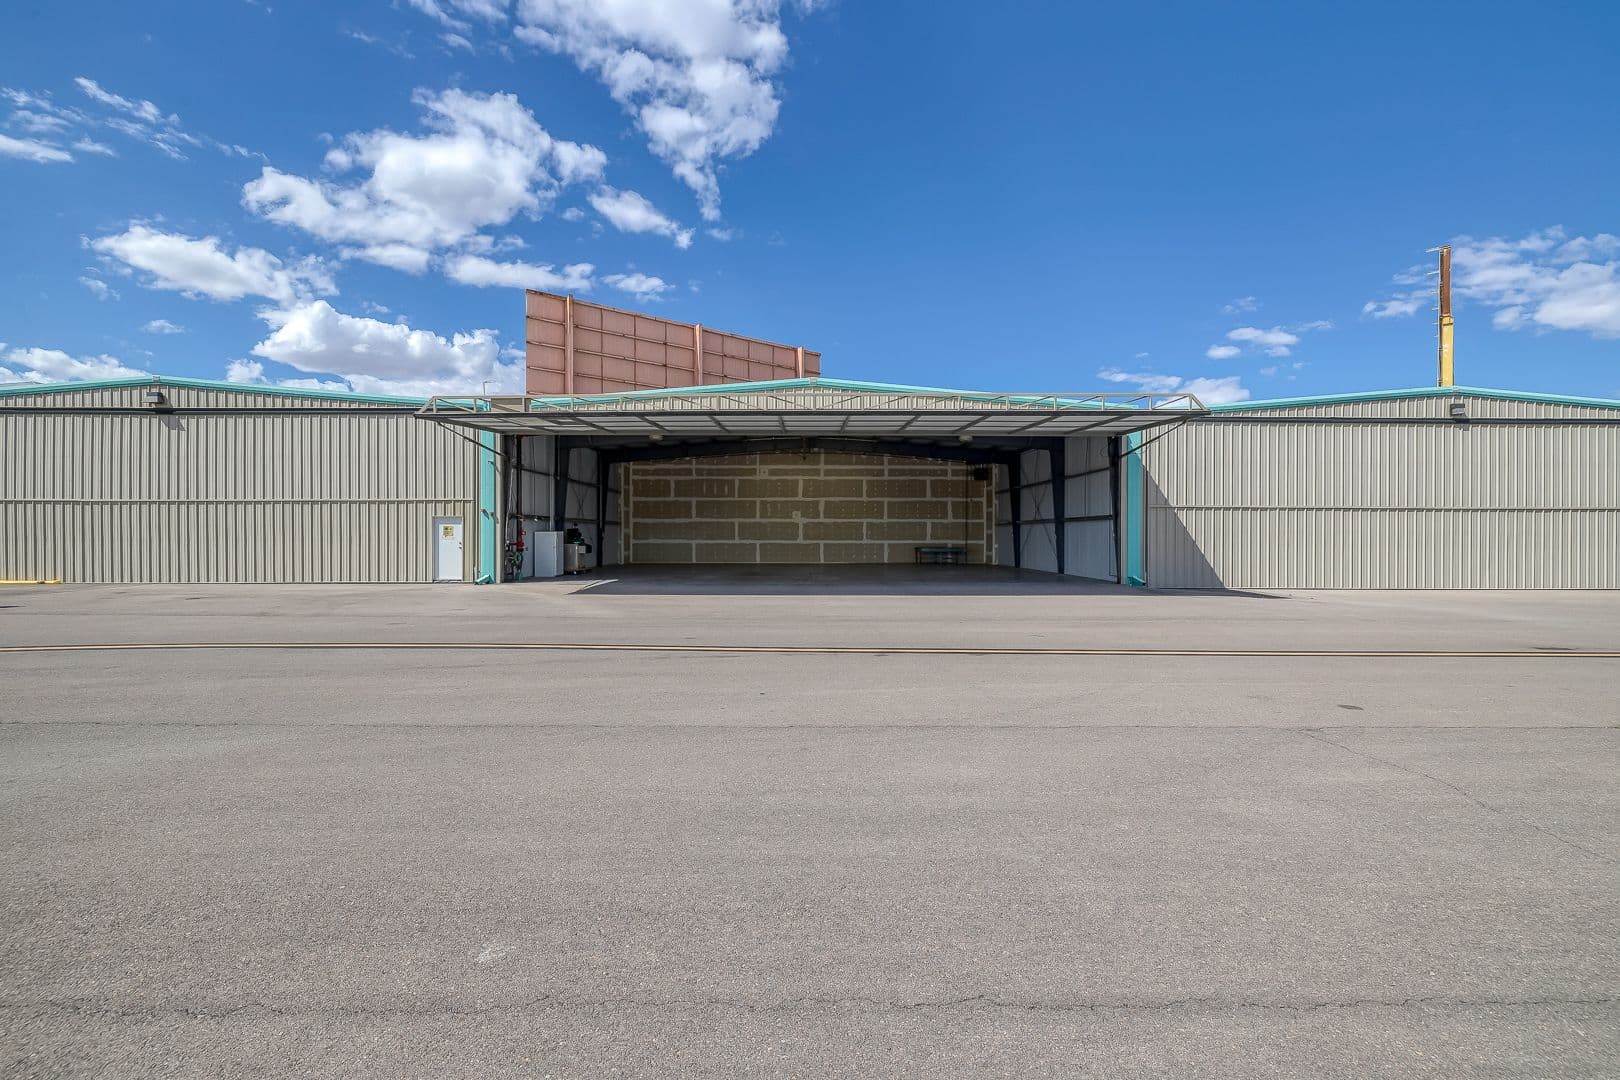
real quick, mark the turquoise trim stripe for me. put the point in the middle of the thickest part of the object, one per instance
(1418, 392)
(564, 401)
(13, 389)
(489, 518)
(1135, 513)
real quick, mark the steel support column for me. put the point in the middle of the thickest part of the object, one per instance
(1015, 483)
(1055, 453)
(601, 505)
(559, 484)
(1114, 443)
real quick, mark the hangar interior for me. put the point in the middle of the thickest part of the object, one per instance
(822, 471)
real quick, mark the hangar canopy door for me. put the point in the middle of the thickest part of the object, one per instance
(629, 431)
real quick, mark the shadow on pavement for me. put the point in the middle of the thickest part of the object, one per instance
(884, 580)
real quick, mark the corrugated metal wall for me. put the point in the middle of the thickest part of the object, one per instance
(329, 493)
(1352, 503)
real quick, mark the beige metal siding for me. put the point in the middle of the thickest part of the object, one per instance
(241, 497)
(1346, 505)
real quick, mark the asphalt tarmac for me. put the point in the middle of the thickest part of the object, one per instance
(374, 861)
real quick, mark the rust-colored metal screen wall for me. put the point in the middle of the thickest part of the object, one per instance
(804, 508)
(576, 347)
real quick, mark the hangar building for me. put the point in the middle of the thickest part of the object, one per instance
(670, 443)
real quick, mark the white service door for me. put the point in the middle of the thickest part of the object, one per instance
(447, 549)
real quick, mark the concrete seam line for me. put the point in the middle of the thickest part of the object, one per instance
(838, 650)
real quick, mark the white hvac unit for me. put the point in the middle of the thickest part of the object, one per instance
(543, 555)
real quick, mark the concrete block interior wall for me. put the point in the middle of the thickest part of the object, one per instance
(815, 507)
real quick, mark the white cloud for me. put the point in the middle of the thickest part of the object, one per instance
(163, 326)
(401, 257)
(477, 270)
(382, 43)
(134, 117)
(245, 371)
(644, 286)
(142, 119)
(697, 75)
(488, 10)
(484, 161)
(382, 358)
(1398, 307)
(1211, 391)
(37, 123)
(1146, 381)
(432, 10)
(573, 213)
(204, 268)
(100, 289)
(251, 373)
(1275, 341)
(456, 41)
(144, 111)
(1242, 305)
(54, 365)
(1545, 281)
(629, 211)
(1227, 388)
(33, 150)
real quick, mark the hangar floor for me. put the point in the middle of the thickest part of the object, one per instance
(891, 579)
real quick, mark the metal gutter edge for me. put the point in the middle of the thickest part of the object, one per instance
(1416, 392)
(19, 389)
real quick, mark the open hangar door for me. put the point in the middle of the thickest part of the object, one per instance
(1024, 480)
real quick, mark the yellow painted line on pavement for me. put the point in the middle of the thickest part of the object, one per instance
(835, 650)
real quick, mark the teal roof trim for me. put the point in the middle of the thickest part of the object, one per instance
(1418, 392)
(815, 382)
(13, 389)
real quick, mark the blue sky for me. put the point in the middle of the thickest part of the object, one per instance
(1231, 198)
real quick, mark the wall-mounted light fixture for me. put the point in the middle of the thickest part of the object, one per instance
(1459, 412)
(153, 396)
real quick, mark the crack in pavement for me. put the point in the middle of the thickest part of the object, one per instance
(552, 1002)
(1315, 734)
